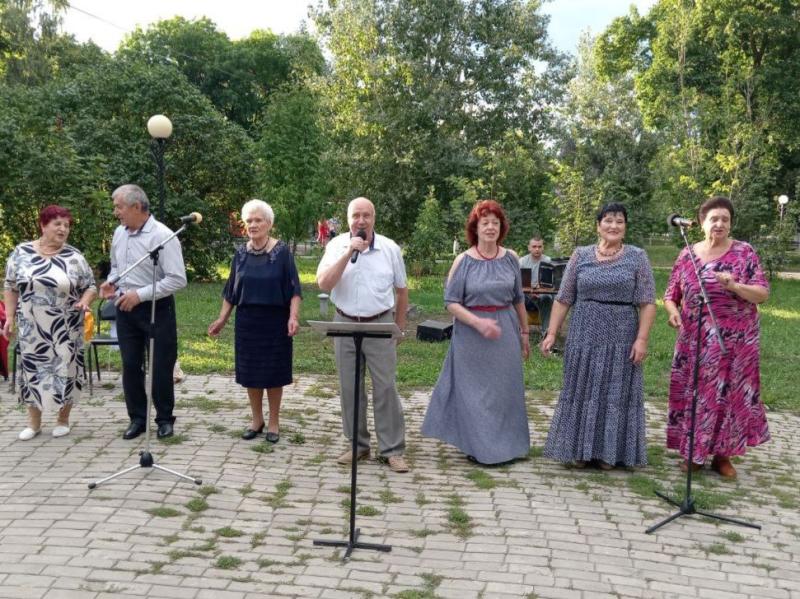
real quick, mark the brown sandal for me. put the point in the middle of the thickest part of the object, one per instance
(695, 466)
(722, 464)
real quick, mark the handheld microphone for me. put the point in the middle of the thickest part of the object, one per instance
(194, 217)
(675, 220)
(363, 235)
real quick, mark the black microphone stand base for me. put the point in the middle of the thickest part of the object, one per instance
(354, 544)
(687, 508)
(145, 461)
(145, 457)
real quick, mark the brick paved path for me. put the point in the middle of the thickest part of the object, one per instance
(532, 529)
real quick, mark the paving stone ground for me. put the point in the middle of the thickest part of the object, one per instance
(532, 529)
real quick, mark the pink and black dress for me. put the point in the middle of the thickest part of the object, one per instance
(730, 414)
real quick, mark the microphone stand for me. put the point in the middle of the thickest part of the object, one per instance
(687, 506)
(145, 456)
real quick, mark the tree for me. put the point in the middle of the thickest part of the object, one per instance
(425, 93)
(604, 151)
(73, 140)
(237, 76)
(292, 175)
(719, 81)
(429, 240)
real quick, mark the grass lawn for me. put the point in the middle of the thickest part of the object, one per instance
(419, 362)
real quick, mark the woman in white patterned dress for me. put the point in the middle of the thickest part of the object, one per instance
(48, 287)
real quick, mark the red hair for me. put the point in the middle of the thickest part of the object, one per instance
(52, 212)
(480, 210)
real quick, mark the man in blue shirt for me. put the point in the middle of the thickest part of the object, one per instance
(137, 234)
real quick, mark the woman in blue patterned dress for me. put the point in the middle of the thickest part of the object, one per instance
(600, 411)
(478, 403)
(49, 286)
(264, 288)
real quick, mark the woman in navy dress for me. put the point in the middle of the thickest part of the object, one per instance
(265, 289)
(609, 286)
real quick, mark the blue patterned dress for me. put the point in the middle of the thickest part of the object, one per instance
(49, 328)
(478, 403)
(600, 411)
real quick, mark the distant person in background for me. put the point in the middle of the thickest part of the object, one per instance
(730, 415)
(323, 233)
(537, 302)
(48, 287)
(264, 287)
(333, 227)
(600, 411)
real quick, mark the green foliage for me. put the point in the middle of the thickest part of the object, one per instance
(429, 240)
(420, 93)
(604, 155)
(292, 175)
(72, 141)
(228, 562)
(718, 82)
(776, 244)
(237, 76)
(30, 44)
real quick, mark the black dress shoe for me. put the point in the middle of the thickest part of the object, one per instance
(165, 430)
(249, 434)
(134, 430)
(272, 437)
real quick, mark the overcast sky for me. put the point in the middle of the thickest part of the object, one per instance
(107, 22)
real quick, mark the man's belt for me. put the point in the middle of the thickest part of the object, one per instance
(363, 318)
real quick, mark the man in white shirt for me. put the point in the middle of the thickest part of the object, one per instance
(537, 302)
(368, 291)
(138, 233)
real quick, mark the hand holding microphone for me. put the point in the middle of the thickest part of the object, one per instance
(358, 243)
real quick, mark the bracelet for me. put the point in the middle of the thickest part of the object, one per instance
(524, 332)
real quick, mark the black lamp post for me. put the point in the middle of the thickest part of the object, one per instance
(160, 128)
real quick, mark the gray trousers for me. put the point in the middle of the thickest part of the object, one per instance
(380, 357)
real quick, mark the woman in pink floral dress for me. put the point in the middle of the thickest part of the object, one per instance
(730, 415)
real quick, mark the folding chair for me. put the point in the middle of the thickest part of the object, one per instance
(106, 312)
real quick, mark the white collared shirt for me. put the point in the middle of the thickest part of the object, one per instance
(366, 287)
(128, 246)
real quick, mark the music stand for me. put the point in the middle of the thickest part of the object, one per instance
(358, 331)
(145, 456)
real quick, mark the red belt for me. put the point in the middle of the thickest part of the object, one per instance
(363, 318)
(488, 308)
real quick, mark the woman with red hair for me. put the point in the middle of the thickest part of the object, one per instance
(478, 403)
(48, 287)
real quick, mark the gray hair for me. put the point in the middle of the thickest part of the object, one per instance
(260, 206)
(353, 201)
(132, 194)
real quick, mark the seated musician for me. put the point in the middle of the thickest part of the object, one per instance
(537, 302)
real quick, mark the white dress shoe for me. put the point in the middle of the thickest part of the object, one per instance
(61, 431)
(28, 434)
